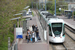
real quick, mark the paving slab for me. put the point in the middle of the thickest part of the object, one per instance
(40, 45)
(33, 46)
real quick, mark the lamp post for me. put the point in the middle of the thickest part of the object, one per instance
(32, 4)
(39, 4)
(45, 5)
(55, 7)
(42, 4)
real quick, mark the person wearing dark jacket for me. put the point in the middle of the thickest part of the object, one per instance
(27, 38)
(37, 34)
(36, 28)
(33, 26)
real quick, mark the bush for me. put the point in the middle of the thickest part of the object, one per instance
(59, 14)
(7, 10)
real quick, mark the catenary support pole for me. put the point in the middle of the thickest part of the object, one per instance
(45, 5)
(55, 7)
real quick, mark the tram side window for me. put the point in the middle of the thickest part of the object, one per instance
(50, 34)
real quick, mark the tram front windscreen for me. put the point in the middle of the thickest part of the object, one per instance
(57, 28)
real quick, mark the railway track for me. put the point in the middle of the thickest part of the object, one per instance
(70, 38)
(70, 29)
(69, 44)
(70, 32)
(60, 46)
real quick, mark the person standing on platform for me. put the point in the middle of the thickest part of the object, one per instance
(27, 38)
(36, 28)
(29, 33)
(33, 36)
(37, 34)
(30, 28)
(33, 26)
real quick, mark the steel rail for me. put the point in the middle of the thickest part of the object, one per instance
(64, 46)
(61, 44)
(52, 46)
(69, 28)
(70, 36)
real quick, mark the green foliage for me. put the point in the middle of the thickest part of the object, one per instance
(51, 6)
(7, 9)
(74, 13)
(4, 42)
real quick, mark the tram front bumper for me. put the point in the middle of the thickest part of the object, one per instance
(57, 39)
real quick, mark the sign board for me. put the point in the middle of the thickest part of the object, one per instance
(19, 33)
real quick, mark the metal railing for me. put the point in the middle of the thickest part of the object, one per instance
(14, 46)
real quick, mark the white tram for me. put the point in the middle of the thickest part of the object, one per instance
(55, 25)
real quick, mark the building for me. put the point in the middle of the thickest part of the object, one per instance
(71, 6)
(69, 0)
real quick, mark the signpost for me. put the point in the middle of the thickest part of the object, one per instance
(19, 33)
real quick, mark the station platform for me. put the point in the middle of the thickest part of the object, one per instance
(69, 22)
(40, 44)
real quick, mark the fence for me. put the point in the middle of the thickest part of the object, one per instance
(14, 45)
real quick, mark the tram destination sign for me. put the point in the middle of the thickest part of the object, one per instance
(57, 25)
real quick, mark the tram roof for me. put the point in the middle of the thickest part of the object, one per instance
(56, 20)
(51, 17)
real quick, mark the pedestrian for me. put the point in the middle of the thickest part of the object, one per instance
(33, 26)
(26, 35)
(37, 34)
(36, 28)
(30, 28)
(33, 36)
(29, 33)
(27, 38)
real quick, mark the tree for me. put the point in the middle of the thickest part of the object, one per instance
(51, 6)
(7, 9)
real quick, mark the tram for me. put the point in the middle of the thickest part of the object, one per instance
(55, 25)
